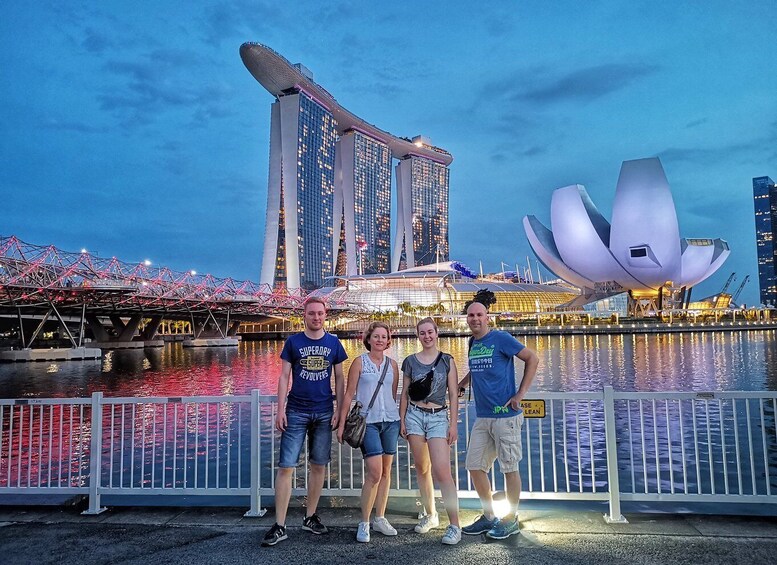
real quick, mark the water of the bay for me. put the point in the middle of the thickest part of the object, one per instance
(694, 361)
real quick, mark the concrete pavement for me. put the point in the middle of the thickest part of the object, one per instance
(223, 535)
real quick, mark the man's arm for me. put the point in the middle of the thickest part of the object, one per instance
(339, 394)
(530, 363)
(464, 382)
(283, 390)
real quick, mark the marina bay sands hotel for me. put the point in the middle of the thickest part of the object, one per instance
(329, 186)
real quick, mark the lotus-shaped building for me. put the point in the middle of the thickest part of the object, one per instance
(640, 250)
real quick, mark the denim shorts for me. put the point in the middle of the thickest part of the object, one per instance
(380, 438)
(318, 428)
(420, 423)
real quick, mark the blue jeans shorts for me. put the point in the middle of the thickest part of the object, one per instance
(318, 428)
(420, 423)
(380, 438)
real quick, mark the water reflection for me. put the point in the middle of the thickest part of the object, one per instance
(744, 360)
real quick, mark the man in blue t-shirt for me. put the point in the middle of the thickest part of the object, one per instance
(497, 430)
(307, 360)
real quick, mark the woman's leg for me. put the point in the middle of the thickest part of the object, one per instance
(423, 471)
(374, 468)
(381, 499)
(440, 454)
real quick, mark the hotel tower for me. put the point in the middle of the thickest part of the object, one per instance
(765, 202)
(329, 186)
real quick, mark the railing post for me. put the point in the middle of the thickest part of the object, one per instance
(256, 500)
(95, 456)
(611, 446)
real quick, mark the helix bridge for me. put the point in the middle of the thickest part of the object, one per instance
(40, 283)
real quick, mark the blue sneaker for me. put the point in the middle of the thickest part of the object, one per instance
(480, 526)
(503, 529)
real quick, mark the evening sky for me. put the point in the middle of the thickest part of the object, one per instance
(134, 130)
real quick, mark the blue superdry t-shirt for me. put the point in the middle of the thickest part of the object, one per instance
(311, 370)
(491, 362)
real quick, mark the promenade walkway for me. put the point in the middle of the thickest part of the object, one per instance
(214, 535)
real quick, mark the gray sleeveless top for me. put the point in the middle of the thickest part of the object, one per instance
(413, 368)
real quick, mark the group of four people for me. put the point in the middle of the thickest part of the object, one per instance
(429, 425)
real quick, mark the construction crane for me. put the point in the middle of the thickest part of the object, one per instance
(732, 277)
(739, 290)
(723, 298)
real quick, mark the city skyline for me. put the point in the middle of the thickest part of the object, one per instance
(135, 134)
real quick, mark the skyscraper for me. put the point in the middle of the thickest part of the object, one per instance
(300, 193)
(422, 215)
(329, 185)
(765, 202)
(363, 202)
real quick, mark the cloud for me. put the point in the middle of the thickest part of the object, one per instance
(225, 20)
(80, 127)
(164, 80)
(95, 42)
(534, 150)
(715, 155)
(583, 85)
(499, 22)
(696, 123)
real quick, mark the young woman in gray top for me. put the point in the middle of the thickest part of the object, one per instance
(430, 431)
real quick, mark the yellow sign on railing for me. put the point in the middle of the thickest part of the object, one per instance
(533, 408)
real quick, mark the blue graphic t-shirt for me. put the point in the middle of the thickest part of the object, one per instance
(491, 362)
(311, 370)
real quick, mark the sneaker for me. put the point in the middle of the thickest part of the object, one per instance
(313, 524)
(277, 533)
(363, 532)
(479, 526)
(452, 535)
(427, 523)
(380, 524)
(503, 529)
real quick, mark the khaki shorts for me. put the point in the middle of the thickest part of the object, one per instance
(495, 438)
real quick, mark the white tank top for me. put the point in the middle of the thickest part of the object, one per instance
(385, 407)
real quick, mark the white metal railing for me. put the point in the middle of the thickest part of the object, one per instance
(606, 446)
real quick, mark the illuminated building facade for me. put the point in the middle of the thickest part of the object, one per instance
(363, 203)
(422, 215)
(765, 201)
(329, 185)
(639, 251)
(300, 194)
(441, 289)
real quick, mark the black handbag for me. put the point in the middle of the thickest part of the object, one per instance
(420, 390)
(355, 422)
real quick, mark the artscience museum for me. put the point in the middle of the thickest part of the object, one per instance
(640, 250)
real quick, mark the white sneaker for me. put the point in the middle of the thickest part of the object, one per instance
(380, 524)
(363, 533)
(427, 523)
(452, 535)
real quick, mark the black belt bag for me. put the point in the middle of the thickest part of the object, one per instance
(420, 390)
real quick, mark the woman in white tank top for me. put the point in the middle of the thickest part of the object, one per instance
(380, 438)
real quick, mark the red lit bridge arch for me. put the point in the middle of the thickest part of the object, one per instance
(42, 283)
